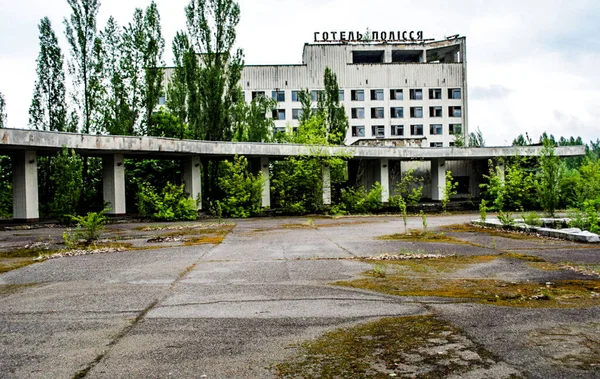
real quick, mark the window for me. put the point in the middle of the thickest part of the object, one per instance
(455, 111)
(376, 94)
(279, 129)
(296, 114)
(436, 144)
(317, 94)
(279, 114)
(397, 130)
(279, 96)
(396, 94)
(454, 93)
(358, 131)
(378, 131)
(341, 95)
(377, 112)
(256, 94)
(397, 112)
(416, 112)
(452, 144)
(161, 100)
(455, 128)
(416, 130)
(435, 93)
(358, 95)
(416, 94)
(435, 111)
(368, 56)
(436, 129)
(295, 96)
(358, 112)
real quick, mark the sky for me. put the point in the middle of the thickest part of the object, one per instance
(532, 65)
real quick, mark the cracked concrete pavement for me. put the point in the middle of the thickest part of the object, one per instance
(234, 309)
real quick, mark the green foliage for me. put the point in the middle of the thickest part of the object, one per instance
(515, 190)
(409, 188)
(532, 219)
(449, 190)
(483, 210)
(506, 219)
(360, 201)
(5, 187)
(424, 221)
(172, 204)
(2, 111)
(296, 185)
(337, 122)
(89, 227)
(48, 107)
(476, 139)
(550, 177)
(250, 123)
(165, 124)
(242, 190)
(67, 182)
(402, 207)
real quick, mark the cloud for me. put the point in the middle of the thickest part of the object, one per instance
(492, 92)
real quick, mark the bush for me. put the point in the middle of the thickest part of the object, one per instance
(89, 228)
(297, 185)
(172, 204)
(67, 182)
(242, 190)
(358, 200)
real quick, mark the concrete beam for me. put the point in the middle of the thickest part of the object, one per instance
(266, 190)
(113, 183)
(192, 178)
(326, 174)
(384, 178)
(438, 179)
(25, 187)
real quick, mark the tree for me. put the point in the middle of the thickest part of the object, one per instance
(242, 190)
(85, 65)
(177, 89)
(2, 111)
(476, 139)
(550, 177)
(153, 50)
(67, 183)
(449, 190)
(48, 109)
(250, 121)
(337, 122)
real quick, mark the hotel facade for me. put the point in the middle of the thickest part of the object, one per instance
(397, 89)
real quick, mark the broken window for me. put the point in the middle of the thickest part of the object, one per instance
(376, 94)
(416, 130)
(416, 112)
(396, 94)
(256, 94)
(378, 131)
(455, 111)
(397, 112)
(435, 111)
(358, 131)
(279, 96)
(397, 130)
(358, 95)
(377, 112)
(436, 129)
(358, 112)
(367, 56)
(454, 93)
(416, 94)
(455, 128)
(279, 114)
(435, 93)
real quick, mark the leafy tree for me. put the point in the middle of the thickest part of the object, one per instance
(177, 89)
(165, 124)
(85, 64)
(449, 190)
(408, 190)
(242, 190)
(251, 124)
(522, 140)
(476, 139)
(153, 49)
(67, 182)
(550, 176)
(296, 185)
(337, 122)
(171, 204)
(2, 111)
(48, 108)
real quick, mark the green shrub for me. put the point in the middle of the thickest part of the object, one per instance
(532, 219)
(359, 201)
(483, 210)
(172, 204)
(242, 190)
(67, 182)
(89, 228)
(506, 219)
(449, 190)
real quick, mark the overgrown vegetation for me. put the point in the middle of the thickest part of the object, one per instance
(171, 203)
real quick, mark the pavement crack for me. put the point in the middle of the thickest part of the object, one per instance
(275, 300)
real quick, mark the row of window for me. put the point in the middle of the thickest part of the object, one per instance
(378, 112)
(359, 94)
(399, 130)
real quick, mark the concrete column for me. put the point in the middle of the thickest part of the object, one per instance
(326, 184)
(384, 178)
(25, 187)
(192, 178)
(438, 179)
(113, 183)
(500, 169)
(266, 191)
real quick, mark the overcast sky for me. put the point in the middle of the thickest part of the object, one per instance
(533, 65)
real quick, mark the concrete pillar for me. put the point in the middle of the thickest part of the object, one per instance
(438, 179)
(113, 183)
(192, 178)
(25, 187)
(384, 178)
(326, 184)
(500, 170)
(266, 191)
